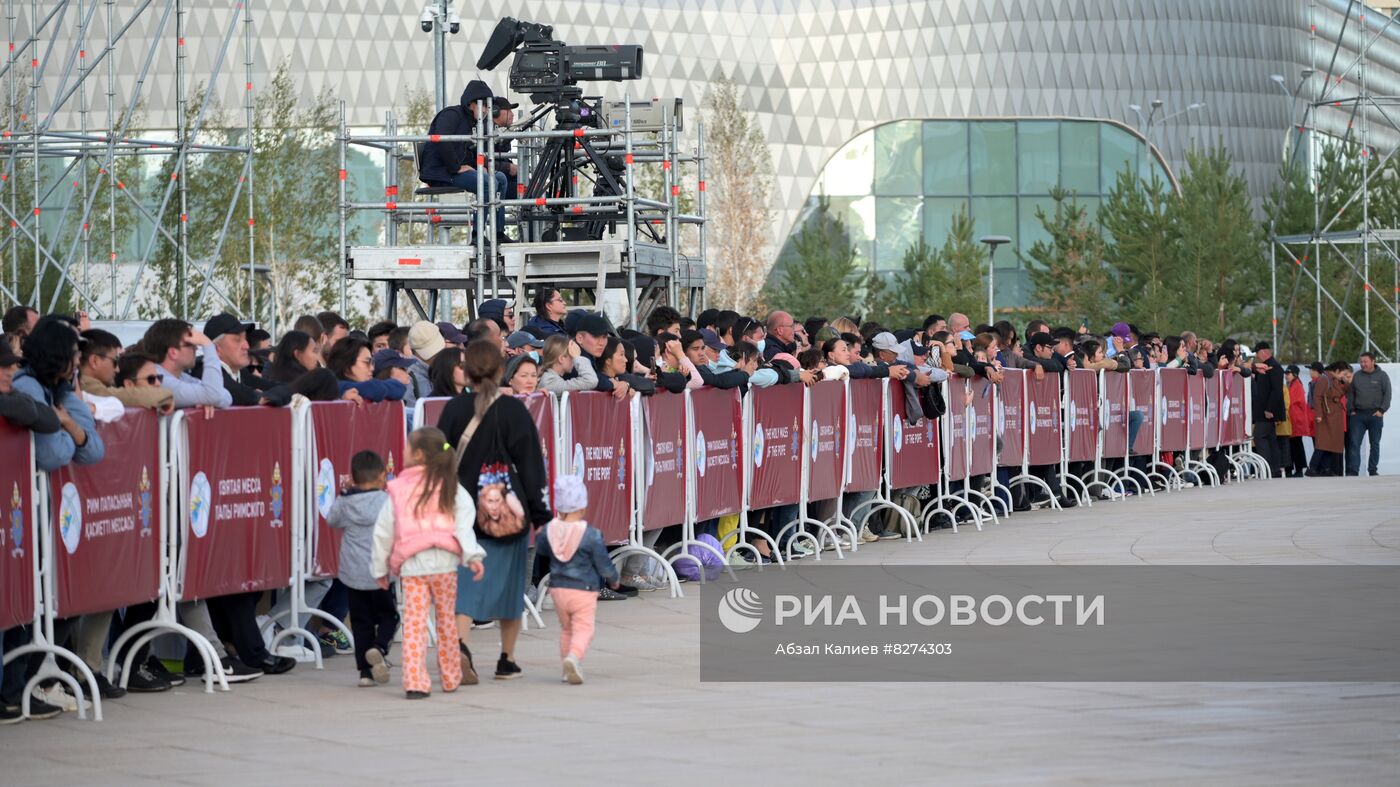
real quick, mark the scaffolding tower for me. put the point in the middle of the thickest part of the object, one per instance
(61, 59)
(1368, 253)
(428, 248)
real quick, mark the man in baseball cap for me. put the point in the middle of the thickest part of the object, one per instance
(591, 332)
(522, 342)
(388, 360)
(230, 338)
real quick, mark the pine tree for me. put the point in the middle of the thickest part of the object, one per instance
(963, 266)
(1073, 284)
(1135, 216)
(819, 274)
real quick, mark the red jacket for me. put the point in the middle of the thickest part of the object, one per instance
(1300, 415)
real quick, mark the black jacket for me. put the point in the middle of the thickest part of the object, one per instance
(1268, 394)
(22, 411)
(438, 162)
(772, 346)
(732, 378)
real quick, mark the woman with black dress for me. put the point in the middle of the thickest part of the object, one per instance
(506, 434)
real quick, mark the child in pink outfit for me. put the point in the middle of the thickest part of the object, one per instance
(578, 567)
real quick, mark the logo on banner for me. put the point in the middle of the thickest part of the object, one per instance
(1072, 420)
(325, 488)
(700, 453)
(815, 439)
(758, 446)
(850, 433)
(1225, 407)
(740, 610)
(144, 495)
(796, 439)
(621, 464)
(999, 412)
(578, 460)
(1034, 417)
(971, 424)
(276, 495)
(733, 447)
(70, 517)
(898, 433)
(201, 500)
(389, 472)
(17, 522)
(928, 431)
(1162, 413)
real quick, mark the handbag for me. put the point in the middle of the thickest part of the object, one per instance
(499, 513)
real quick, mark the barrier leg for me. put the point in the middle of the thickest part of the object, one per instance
(958, 503)
(1035, 481)
(742, 541)
(164, 622)
(1078, 488)
(1203, 470)
(983, 502)
(531, 610)
(1113, 481)
(878, 503)
(49, 670)
(1172, 477)
(838, 521)
(1143, 480)
(997, 499)
(826, 533)
(637, 549)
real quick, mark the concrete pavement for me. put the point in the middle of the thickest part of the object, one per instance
(644, 718)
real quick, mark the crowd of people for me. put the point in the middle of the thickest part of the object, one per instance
(452, 528)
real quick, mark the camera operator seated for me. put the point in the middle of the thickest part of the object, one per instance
(454, 163)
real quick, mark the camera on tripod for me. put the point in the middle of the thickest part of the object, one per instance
(549, 70)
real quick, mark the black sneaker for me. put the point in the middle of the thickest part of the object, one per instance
(276, 665)
(10, 714)
(608, 594)
(157, 669)
(627, 590)
(38, 709)
(236, 671)
(507, 669)
(415, 695)
(106, 689)
(143, 682)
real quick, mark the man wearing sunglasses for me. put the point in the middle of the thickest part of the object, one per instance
(100, 356)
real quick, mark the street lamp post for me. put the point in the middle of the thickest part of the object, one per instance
(1282, 82)
(439, 19)
(992, 241)
(1146, 125)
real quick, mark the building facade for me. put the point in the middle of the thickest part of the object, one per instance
(903, 111)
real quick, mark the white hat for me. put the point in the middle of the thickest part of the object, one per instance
(570, 494)
(426, 340)
(885, 340)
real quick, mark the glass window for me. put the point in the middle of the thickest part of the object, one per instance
(1079, 157)
(938, 218)
(899, 224)
(1119, 150)
(858, 214)
(899, 156)
(997, 216)
(945, 157)
(993, 146)
(850, 173)
(1038, 149)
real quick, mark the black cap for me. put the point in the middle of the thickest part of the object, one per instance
(387, 358)
(1317, 366)
(1263, 346)
(221, 324)
(1040, 339)
(593, 324)
(1292, 369)
(502, 102)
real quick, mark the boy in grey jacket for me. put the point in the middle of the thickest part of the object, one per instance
(374, 616)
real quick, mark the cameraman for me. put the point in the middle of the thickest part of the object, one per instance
(454, 163)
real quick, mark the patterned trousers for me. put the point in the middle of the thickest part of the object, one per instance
(438, 591)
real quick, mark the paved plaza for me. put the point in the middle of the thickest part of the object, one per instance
(643, 717)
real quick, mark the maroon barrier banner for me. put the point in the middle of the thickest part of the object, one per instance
(979, 426)
(1083, 415)
(238, 504)
(432, 410)
(1213, 410)
(914, 449)
(541, 408)
(600, 426)
(666, 448)
(1043, 419)
(863, 444)
(719, 483)
(1143, 388)
(827, 438)
(776, 446)
(1011, 432)
(16, 536)
(1172, 412)
(1115, 395)
(957, 428)
(106, 520)
(1232, 407)
(1196, 411)
(344, 429)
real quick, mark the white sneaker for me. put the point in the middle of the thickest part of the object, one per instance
(866, 536)
(59, 697)
(800, 549)
(573, 673)
(640, 582)
(292, 650)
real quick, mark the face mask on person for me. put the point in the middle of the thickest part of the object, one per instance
(534, 355)
(761, 342)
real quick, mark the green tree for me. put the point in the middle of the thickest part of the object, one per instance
(819, 275)
(740, 174)
(950, 279)
(1071, 280)
(1219, 282)
(1135, 215)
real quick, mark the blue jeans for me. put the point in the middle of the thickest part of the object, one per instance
(1134, 424)
(467, 180)
(1359, 426)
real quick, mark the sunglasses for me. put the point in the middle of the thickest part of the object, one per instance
(150, 379)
